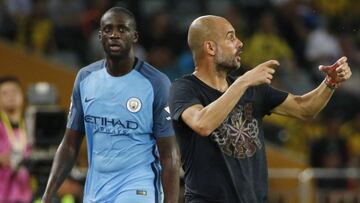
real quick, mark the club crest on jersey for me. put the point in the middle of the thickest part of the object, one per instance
(133, 104)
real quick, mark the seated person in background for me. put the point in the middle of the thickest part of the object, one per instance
(331, 152)
(15, 146)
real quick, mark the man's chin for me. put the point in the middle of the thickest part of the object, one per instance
(235, 66)
(117, 56)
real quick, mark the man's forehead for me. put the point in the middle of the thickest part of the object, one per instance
(224, 24)
(115, 18)
(225, 28)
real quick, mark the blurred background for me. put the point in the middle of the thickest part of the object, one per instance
(45, 42)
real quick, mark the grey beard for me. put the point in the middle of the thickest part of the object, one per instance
(225, 67)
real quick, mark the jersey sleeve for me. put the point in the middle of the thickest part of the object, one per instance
(162, 120)
(182, 96)
(76, 114)
(272, 98)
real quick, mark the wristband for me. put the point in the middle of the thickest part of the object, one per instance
(330, 83)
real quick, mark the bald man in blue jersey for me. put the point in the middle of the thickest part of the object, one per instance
(120, 103)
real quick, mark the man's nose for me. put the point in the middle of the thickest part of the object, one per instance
(115, 34)
(240, 44)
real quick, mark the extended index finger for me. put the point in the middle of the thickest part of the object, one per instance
(271, 63)
(342, 60)
(339, 62)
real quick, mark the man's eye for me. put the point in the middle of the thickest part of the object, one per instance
(122, 30)
(107, 30)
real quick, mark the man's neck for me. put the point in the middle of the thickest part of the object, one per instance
(213, 78)
(119, 67)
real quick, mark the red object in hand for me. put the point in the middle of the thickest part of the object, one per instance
(331, 74)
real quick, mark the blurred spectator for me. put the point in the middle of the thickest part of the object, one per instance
(330, 151)
(251, 10)
(159, 30)
(349, 49)
(297, 135)
(289, 73)
(69, 37)
(8, 27)
(219, 8)
(36, 31)
(15, 145)
(289, 70)
(160, 39)
(351, 130)
(185, 63)
(95, 51)
(90, 18)
(19, 9)
(322, 47)
(66, 12)
(266, 44)
(235, 17)
(289, 16)
(336, 8)
(184, 12)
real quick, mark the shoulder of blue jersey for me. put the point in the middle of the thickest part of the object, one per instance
(153, 74)
(85, 71)
(93, 66)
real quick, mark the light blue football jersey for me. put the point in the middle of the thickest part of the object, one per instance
(122, 118)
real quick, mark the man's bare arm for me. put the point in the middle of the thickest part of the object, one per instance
(170, 163)
(64, 160)
(307, 106)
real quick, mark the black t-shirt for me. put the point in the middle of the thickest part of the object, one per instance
(229, 165)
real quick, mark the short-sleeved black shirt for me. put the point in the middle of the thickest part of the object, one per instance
(229, 165)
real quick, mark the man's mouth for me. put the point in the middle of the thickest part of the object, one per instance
(237, 56)
(115, 47)
(238, 52)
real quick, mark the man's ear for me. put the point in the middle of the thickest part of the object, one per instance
(135, 37)
(210, 47)
(99, 35)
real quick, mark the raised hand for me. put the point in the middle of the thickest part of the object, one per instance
(261, 74)
(336, 73)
